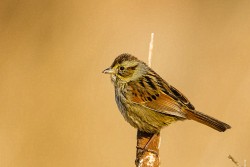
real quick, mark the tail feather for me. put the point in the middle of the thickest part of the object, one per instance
(207, 120)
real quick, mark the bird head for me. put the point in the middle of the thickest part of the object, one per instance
(126, 68)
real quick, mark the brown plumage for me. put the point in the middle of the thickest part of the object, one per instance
(148, 102)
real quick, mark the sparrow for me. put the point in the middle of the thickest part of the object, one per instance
(148, 102)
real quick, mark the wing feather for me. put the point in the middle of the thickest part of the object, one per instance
(149, 94)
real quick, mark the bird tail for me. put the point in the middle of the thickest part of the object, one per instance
(206, 120)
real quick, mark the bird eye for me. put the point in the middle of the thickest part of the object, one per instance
(121, 68)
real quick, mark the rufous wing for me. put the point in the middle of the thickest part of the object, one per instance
(155, 100)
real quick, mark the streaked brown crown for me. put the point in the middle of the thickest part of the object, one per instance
(123, 57)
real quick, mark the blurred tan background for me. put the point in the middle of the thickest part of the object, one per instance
(58, 109)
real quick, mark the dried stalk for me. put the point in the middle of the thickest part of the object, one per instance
(151, 46)
(149, 156)
(147, 153)
(237, 163)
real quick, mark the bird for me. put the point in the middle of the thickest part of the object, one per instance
(148, 102)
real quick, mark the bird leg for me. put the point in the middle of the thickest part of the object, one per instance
(148, 142)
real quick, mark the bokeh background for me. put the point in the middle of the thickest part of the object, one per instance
(58, 110)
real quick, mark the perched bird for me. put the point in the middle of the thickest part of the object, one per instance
(148, 102)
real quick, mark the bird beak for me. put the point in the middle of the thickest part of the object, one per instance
(108, 71)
